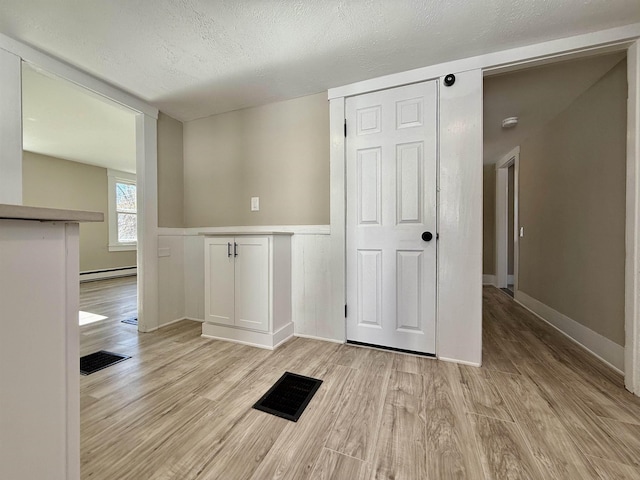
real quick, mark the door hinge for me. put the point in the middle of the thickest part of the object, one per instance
(345, 311)
(345, 128)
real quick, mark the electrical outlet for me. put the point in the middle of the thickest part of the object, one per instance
(255, 204)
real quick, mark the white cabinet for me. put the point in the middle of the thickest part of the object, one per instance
(248, 288)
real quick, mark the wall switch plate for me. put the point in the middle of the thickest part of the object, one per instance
(255, 204)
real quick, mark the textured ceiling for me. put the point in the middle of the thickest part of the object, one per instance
(535, 96)
(65, 121)
(193, 58)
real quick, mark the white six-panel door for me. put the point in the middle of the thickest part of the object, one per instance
(391, 202)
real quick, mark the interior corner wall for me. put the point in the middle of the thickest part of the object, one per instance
(57, 183)
(170, 172)
(572, 207)
(489, 219)
(278, 152)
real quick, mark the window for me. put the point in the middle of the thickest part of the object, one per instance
(123, 218)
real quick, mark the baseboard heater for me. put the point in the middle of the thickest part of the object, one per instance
(91, 275)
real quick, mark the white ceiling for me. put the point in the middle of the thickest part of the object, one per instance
(194, 58)
(63, 120)
(535, 96)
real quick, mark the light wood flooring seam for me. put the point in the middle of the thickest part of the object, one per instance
(344, 454)
(180, 408)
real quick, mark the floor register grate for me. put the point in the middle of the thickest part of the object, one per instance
(97, 361)
(289, 396)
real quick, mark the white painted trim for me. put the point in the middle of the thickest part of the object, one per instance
(621, 36)
(166, 324)
(337, 250)
(75, 75)
(502, 219)
(199, 320)
(147, 197)
(72, 348)
(322, 339)
(10, 129)
(89, 275)
(632, 227)
(488, 279)
(461, 362)
(264, 340)
(295, 229)
(601, 347)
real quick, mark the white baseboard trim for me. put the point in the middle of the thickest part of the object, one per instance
(322, 339)
(107, 273)
(248, 337)
(461, 362)
(601, 347)
(488, 280)
(179, 320)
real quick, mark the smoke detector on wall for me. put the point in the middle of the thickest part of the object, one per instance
(509, 122)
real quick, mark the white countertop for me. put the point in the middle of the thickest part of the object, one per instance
(22, 212)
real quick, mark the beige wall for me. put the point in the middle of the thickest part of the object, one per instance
(572, 207)
(170, 172)
(56, 183)
(278, 152)
(488, 219)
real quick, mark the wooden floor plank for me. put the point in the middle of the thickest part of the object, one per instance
(503, 450)
(333, 465)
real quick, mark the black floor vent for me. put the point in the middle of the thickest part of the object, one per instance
(130, 321)
(97, 361)
(289, 396)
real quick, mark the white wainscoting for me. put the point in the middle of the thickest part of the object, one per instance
(181, 277)
(171, 298)
(603, 348)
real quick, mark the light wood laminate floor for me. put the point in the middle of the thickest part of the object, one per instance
(180, 408)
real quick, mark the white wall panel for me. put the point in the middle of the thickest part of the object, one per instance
(171, 298)
(194, 277)
(460, 220)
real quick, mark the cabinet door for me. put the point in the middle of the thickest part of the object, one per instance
(252, 283)
(219, 280)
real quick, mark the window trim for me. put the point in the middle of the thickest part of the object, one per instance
(117, 176)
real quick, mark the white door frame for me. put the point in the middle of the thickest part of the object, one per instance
(146, 166)
(502, 219)
(616, 39)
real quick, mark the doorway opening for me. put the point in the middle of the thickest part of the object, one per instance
(73, 141)
(567, 155)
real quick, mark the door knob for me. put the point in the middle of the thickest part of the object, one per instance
(427, 236)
